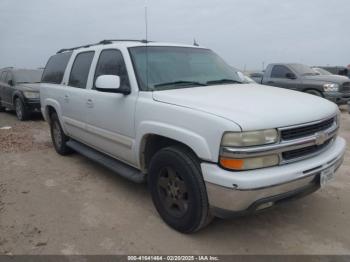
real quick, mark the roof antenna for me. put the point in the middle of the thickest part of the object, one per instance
(195, 42)
(146, 21)
(146, 32)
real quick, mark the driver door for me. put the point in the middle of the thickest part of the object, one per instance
(111, 115)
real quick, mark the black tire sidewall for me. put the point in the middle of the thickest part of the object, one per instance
(63, 149)
(2, 108)
(183, 164)
(23, 111)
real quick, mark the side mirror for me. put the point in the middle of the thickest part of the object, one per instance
(10, 82)
(110, 83)
(291, 76)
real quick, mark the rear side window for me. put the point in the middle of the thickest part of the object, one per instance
(111, 62)
(80, 70)
(279, 71)
(55, 68)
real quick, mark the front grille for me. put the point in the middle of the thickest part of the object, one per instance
(302, 152)
(304, 131)
(346, 87)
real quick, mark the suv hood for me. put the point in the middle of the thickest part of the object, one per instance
(328, 78)
(251, 106)
(35, 87)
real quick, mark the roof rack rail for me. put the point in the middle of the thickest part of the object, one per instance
(108, 41)
(7, 67)
(103, 42)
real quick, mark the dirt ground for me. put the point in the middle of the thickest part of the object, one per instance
(51, 204)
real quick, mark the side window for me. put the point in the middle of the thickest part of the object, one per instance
(279, 71)
(55, 67)
(111, 62)
(3, 76)
(80, 70)
(8, 77)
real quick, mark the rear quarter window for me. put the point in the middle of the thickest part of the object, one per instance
(55, 68)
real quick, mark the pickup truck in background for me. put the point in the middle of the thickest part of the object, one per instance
(303, 78)
(178, 117)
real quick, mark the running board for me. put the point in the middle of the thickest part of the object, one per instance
(117, 166)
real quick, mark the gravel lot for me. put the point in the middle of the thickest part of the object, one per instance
(51, 204)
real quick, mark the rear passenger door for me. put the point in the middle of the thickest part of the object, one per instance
(111, 115)
(279, 77)
(74, 102)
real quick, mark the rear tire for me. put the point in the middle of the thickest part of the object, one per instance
(178, 189)
(59, 139)
(2, 109)
(21, 112)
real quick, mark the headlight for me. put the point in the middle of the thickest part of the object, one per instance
(330, 87)
(31, 95)
(253, 138)
(246, 139)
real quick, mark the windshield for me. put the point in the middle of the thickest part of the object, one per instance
(28, 76)
(304, 70)
(179, 67)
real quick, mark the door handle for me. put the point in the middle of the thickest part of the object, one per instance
(66, 98)
(89, 103)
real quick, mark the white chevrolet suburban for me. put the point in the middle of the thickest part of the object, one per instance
(177, 117)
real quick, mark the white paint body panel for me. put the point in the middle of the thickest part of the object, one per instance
(252, 106)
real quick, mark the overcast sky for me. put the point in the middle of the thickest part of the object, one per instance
(245, 33)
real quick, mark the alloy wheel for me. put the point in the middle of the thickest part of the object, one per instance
(173, 192)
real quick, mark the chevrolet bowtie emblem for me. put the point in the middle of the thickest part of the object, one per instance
(321, 137)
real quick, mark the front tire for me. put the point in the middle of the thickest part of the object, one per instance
(178, 190)
(21, 112)
(59, 139)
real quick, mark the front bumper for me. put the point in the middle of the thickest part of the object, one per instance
(231, 193)
(32, 105)
(337, 97)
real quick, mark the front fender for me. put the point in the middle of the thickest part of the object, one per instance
(19, 94)
(196, 142)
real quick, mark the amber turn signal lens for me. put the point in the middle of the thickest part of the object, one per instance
(249, 163)
(230, 163)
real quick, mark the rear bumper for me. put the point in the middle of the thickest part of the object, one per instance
(337, 97)
(234, 193)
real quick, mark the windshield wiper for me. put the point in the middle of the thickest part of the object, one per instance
(181, 82)
(223, 81)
